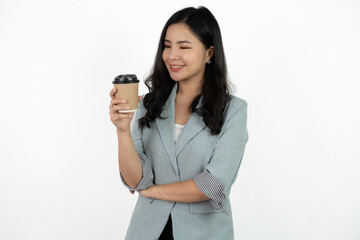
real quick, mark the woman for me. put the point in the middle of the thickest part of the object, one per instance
(188, 139)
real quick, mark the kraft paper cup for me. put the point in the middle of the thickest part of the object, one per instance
(127, 86)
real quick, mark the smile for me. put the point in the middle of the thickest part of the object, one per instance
(176, 68)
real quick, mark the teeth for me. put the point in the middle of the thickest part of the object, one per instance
(176, 66)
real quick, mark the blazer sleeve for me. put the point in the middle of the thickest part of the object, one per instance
(147, 173)
(222, 169)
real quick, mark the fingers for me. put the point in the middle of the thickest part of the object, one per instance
(112, 93)
(120, 109)
(116, 109)
(116, 115)
(118, 104)
(118, 101)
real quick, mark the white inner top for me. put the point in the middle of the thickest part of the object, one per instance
(178, 130)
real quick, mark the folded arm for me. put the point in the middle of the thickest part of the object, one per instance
(215, 181)
(185, 191)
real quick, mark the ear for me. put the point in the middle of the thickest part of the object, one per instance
(209, 53)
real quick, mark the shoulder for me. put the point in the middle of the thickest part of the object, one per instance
(235, 119)
(236, 107)
(236, 101)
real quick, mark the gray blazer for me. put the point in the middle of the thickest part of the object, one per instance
(196, 150)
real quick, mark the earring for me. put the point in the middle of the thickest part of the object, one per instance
(209, 62)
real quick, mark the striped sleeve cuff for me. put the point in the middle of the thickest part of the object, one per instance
(212, 188)
(147, 174)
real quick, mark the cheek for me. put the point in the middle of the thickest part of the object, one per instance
(195, 60)
(188, 58)
(197, 57)
(164, 55)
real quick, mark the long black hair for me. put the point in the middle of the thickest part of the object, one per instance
(215, 90)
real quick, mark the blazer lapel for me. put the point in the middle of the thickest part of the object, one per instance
(194, 125)
(166, 127)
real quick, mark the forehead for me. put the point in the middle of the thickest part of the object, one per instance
(180, 32)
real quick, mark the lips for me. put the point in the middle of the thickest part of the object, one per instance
(176, 68)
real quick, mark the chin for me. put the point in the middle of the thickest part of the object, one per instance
(176, 78)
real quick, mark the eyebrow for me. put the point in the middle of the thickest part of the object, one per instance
(178, 42)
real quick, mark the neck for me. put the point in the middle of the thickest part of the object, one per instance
(189, 90)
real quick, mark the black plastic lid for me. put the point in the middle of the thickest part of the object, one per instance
(125, 78)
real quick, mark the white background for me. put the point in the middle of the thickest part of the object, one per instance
(296, 63)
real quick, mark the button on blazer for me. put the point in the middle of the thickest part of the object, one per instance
(195, 151)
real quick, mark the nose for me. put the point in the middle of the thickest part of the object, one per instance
(173, 54)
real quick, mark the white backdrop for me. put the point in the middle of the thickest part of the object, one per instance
(295, 62)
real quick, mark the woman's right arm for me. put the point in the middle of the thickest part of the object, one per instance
(129, 160)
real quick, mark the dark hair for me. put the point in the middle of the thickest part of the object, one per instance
(215, 89)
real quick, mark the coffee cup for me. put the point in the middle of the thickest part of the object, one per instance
(127, 86)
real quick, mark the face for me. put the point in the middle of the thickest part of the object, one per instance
(184, 54)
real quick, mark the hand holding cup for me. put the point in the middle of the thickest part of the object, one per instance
(124, 100)
(120, 119)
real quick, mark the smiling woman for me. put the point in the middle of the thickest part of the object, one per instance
(189, 136)
(185, 59)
